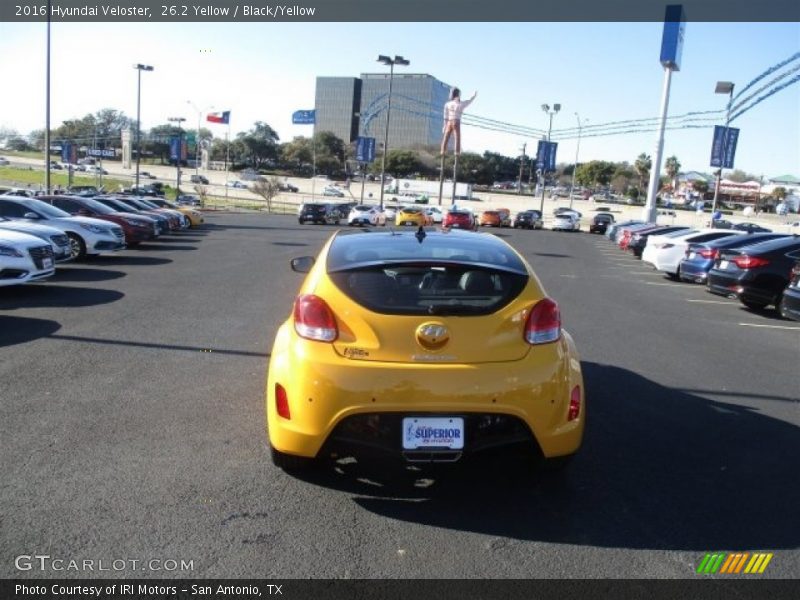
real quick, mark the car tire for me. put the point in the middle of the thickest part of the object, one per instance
(290, 462)
(754, 305)
(300, 221)
(77, 247)
(557, 463)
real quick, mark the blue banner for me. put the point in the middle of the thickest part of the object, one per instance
(365, 149)
(546, 155)
(69, 153)
(303, 117)
(177, 148)
(723, 147)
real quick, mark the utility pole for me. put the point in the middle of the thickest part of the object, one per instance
(521, 167)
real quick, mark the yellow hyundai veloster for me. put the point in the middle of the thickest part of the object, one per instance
(427, 345)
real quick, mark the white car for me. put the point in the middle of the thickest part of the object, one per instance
(390, 211)
(566, 222)
(665, 252)
(364, 214)
(435, 213)
(237, 184)
(4, 161)
(333, 191)
(52, 235)
(24, 258)
(86, 235)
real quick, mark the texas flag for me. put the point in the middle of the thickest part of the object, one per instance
(223, 117)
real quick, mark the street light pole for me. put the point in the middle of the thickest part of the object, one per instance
(723, 87)
(397, 60)
(179, 153)
(139, 68)
(577, 150)
(47, 110)
(546, 108)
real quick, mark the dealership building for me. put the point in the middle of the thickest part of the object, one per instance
(356, 106)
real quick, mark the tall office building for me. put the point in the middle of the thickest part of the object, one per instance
(337, 103)
(350, 107)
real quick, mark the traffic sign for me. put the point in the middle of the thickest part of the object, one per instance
(304, 117)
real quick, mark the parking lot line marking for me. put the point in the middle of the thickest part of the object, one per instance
(711, 301)
(660, 283)
(789, 327)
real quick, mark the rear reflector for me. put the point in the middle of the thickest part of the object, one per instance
(313, 319)
(282, 402)
(709, 253)
(574, 404)
(544, 323)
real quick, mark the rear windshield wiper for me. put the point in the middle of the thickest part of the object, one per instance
(455, 309)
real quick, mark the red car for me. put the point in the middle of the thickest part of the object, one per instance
(460, 219)
(138, 228)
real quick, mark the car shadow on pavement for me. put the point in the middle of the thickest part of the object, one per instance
(659, 469)
(72, 273)
(216, 227)
(179, 240)
(159, 247)
(58, 296)
(127, 261)
(18, 330)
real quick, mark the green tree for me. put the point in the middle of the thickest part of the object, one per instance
(596, 172)
(700, 186)
(672, 166)
(297, 155)
(256, 148)
(403, 163)
(779, 193)
(331, 153)
(740, 176)
(643, 165)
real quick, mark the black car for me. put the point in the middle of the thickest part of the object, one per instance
(751, 228)
(790, 304)
(317, 212)
(757, 274)
(529, 219)
(199, 179)
(600, 222)
(288, 187)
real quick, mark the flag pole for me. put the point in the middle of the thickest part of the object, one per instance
(227, 156)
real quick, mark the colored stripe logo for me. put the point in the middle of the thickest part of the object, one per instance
(734, 563)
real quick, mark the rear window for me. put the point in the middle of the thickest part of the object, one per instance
(430, 289)
(313, 207)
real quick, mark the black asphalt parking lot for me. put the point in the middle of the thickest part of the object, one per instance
(132, 427)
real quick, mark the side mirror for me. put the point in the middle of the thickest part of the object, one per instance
(302, 264)
(30, 215)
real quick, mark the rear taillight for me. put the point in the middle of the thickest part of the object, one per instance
(313, 319)
(282, 402)
(544, 323)
(663, 246)
(750, 262)
(574, 404)
(711, 253)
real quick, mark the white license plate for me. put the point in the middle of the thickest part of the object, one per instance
(433, 432)
(723, 264)
(47, 263)
(692, 255)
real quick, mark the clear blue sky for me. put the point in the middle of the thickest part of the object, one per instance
(264, 71)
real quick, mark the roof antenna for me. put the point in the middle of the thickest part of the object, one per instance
(420, 235)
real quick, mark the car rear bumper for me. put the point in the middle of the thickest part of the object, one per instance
(694, 272)
(327, 393)
(790, 305)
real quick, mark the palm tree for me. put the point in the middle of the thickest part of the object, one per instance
(642, 165)
(673, 167)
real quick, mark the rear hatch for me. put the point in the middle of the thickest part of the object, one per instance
(431, 312)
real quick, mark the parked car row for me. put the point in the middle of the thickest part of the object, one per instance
(36, 233)
(759, 268)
